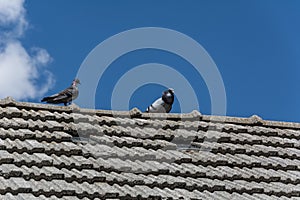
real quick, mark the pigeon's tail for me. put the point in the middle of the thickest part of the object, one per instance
(46, 99)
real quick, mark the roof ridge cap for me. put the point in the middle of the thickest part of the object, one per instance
(253, 120)
(195, 115)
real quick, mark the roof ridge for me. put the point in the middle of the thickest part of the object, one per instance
(195, 115)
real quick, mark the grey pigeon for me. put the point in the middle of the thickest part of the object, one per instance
(163, 104)
(66, 96)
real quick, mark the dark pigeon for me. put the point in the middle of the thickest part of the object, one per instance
(66, 96)
(163, 104)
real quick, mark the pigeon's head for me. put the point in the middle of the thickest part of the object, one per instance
(171, 90)
(168, 96)
(76, 81)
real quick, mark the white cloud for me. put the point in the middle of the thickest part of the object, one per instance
(11, 10)
(40, 56)
(22, 75)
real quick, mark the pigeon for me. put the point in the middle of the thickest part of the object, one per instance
(66, 96)
(163, 104)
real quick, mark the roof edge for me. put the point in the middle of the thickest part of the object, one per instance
(136, 113)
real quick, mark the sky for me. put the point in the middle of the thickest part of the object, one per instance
(251, 54)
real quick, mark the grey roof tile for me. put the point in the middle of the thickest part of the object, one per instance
(288, 133)
(24, 158)
(248, 196)
(24, 196)
(15, 123)
(120, 165)
(63, 116)
(211, 135)
(77, 162)
(147, 166)
(78, 117)
(135, 153)
(23, 134)
(33, 146)
(217, 195)
(141, 132)
(11, 112)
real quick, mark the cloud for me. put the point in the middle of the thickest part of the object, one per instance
(23, 73)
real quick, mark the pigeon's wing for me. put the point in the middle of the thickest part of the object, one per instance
(67, 92)
(59, 97)
(157, 107)
(65, 95)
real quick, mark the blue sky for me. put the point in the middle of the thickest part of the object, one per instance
(254, 44)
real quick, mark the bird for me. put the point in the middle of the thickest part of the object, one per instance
(66, 96)
(162, 104)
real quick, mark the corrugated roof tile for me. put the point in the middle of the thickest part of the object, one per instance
(138, 155)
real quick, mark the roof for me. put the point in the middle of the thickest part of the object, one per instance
(58, 152)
